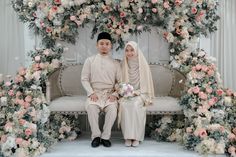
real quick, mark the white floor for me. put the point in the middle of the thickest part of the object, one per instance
(149, 148)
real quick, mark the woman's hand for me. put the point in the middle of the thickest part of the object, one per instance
(93, 97)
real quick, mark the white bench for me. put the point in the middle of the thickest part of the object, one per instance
(65, 93)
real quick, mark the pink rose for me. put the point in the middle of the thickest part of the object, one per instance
(194, 10)
(202, 95)
(165, 34)
(36, 67)
(210, 72)
(72, 18)
(198, 67)
(122, 14)
(231, 137)
(18, 93)
(48, 29)
(222, 129)
(3, 138)
(28, 132)
(215, 99)
(211, 102)
(189, 130)
(18, 79)
(154, 10)
(229, 92)
(178, 2)
(28, 98)
(26, 105)
(54, 9)
(166, 5)
(140, 10)
(7, 83)
(11, 92)
(106, 9)
(234, 130)
(231, 150)
(201, 13)
(178, 31)
(204, 68)
(154, 1)
(193, 68)
(41, 65)
(57, 1)
(22, 71)
(118, 31)
(8, 126)
(46, 52)
(196, 89)
(78, 22)
(190, 91)
(198, 18)
(42, 24)
(37, 58)
(20, 102)
(219, 92)
(22, 121)
(19, 141)
(200, 132)
(209, 90)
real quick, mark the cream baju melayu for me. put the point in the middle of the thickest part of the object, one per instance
(132, 111)
(99, 75)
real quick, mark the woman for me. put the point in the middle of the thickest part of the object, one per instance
(132, 111)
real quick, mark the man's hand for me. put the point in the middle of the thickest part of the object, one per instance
(93, 97)
(112, 98)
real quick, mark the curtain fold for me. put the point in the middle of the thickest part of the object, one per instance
(11, 40)
(223, 43)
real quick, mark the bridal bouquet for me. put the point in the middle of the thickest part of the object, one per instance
(126, 90)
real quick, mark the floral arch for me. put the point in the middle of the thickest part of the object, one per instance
(208, 107)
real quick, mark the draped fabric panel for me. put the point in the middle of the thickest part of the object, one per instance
(11, 39)
(223, 43)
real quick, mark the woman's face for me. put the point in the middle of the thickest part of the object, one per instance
(130, 52)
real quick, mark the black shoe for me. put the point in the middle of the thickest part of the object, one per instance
(96, 142)
(106, 143)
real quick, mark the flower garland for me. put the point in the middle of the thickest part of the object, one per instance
(180, 21)
(24, 111)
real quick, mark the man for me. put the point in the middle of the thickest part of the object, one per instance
(99, 75)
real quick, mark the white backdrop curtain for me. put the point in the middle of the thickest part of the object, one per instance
(11, 39)
(223, 43)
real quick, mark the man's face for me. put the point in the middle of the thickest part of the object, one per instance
(104, 46)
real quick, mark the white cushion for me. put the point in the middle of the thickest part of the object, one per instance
(68, 103)
(164, 104)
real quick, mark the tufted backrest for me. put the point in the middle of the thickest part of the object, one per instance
(162, 79)
(166, 80)
(69, 80)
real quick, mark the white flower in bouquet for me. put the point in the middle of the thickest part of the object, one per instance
(126, 90)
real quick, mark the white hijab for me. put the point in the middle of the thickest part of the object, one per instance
(146, 82)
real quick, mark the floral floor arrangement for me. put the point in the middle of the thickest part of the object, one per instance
(26, 127)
